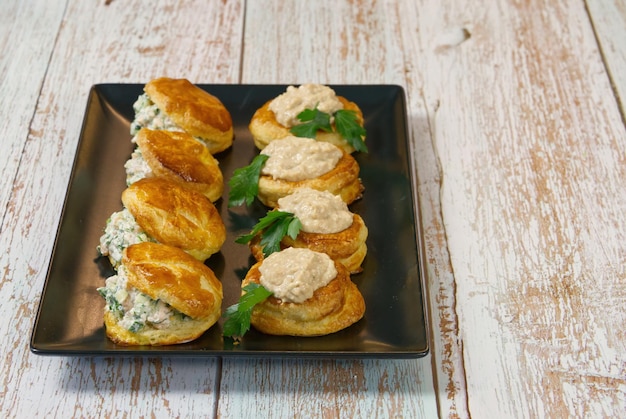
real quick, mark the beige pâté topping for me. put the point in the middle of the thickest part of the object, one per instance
(318, 211)
(296, 158)
(294, 274)
(288, 105)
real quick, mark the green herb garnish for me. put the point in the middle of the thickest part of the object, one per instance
(273, 227)
(346, 125)
(244, 185)
(136, 327)
(238, 315)
(111, 301)
(312, 121)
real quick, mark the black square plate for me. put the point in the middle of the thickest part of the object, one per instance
(69, 320)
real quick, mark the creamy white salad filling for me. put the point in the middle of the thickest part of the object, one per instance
(136, 167)
(288, 105)
(318, 211)
(120, 232)
(134, 308)
(148, 115)
(294, 274)
(297, 158)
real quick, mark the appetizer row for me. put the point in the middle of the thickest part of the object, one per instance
(309, 242)
(162, 292)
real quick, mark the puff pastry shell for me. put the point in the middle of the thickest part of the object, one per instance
(265, 128)
(194, 110)
(174, 215)
(342, 180)
(171, 275)
(179, 157)
(333, 307)
(347, 247)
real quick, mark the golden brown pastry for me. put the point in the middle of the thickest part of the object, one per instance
(160, 296)
(341, 177)
(347, 247)
(176, 156)
(332, 307)
(177, 104)
(174, 215)
(265, 127)
(327, 226)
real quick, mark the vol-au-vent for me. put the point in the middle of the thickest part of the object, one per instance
(310, 110)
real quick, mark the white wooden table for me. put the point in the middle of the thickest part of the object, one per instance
(516, 113)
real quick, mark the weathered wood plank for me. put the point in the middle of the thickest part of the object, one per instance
(22, 43)
(421, 25)
(322, 42)
(531, 147)
(330, 389)
(609, 22)
(97, 43)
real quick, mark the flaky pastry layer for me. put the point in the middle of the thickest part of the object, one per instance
(342, 180)
(265, 128)
(347, 247)
(181, 158)
(177, 216)
(333, 307)
(196, 111)
(171, 275)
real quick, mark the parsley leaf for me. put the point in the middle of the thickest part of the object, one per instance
(349, 128)
(313, 120)
(273, 227)
(244, 185)
(238, 315)
(346, 125)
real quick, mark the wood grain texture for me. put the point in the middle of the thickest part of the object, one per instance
(19, 90)
(96, 43)
(421, 26)
(352, 42)
(329, 389)
(531, 149)
(609, 22)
